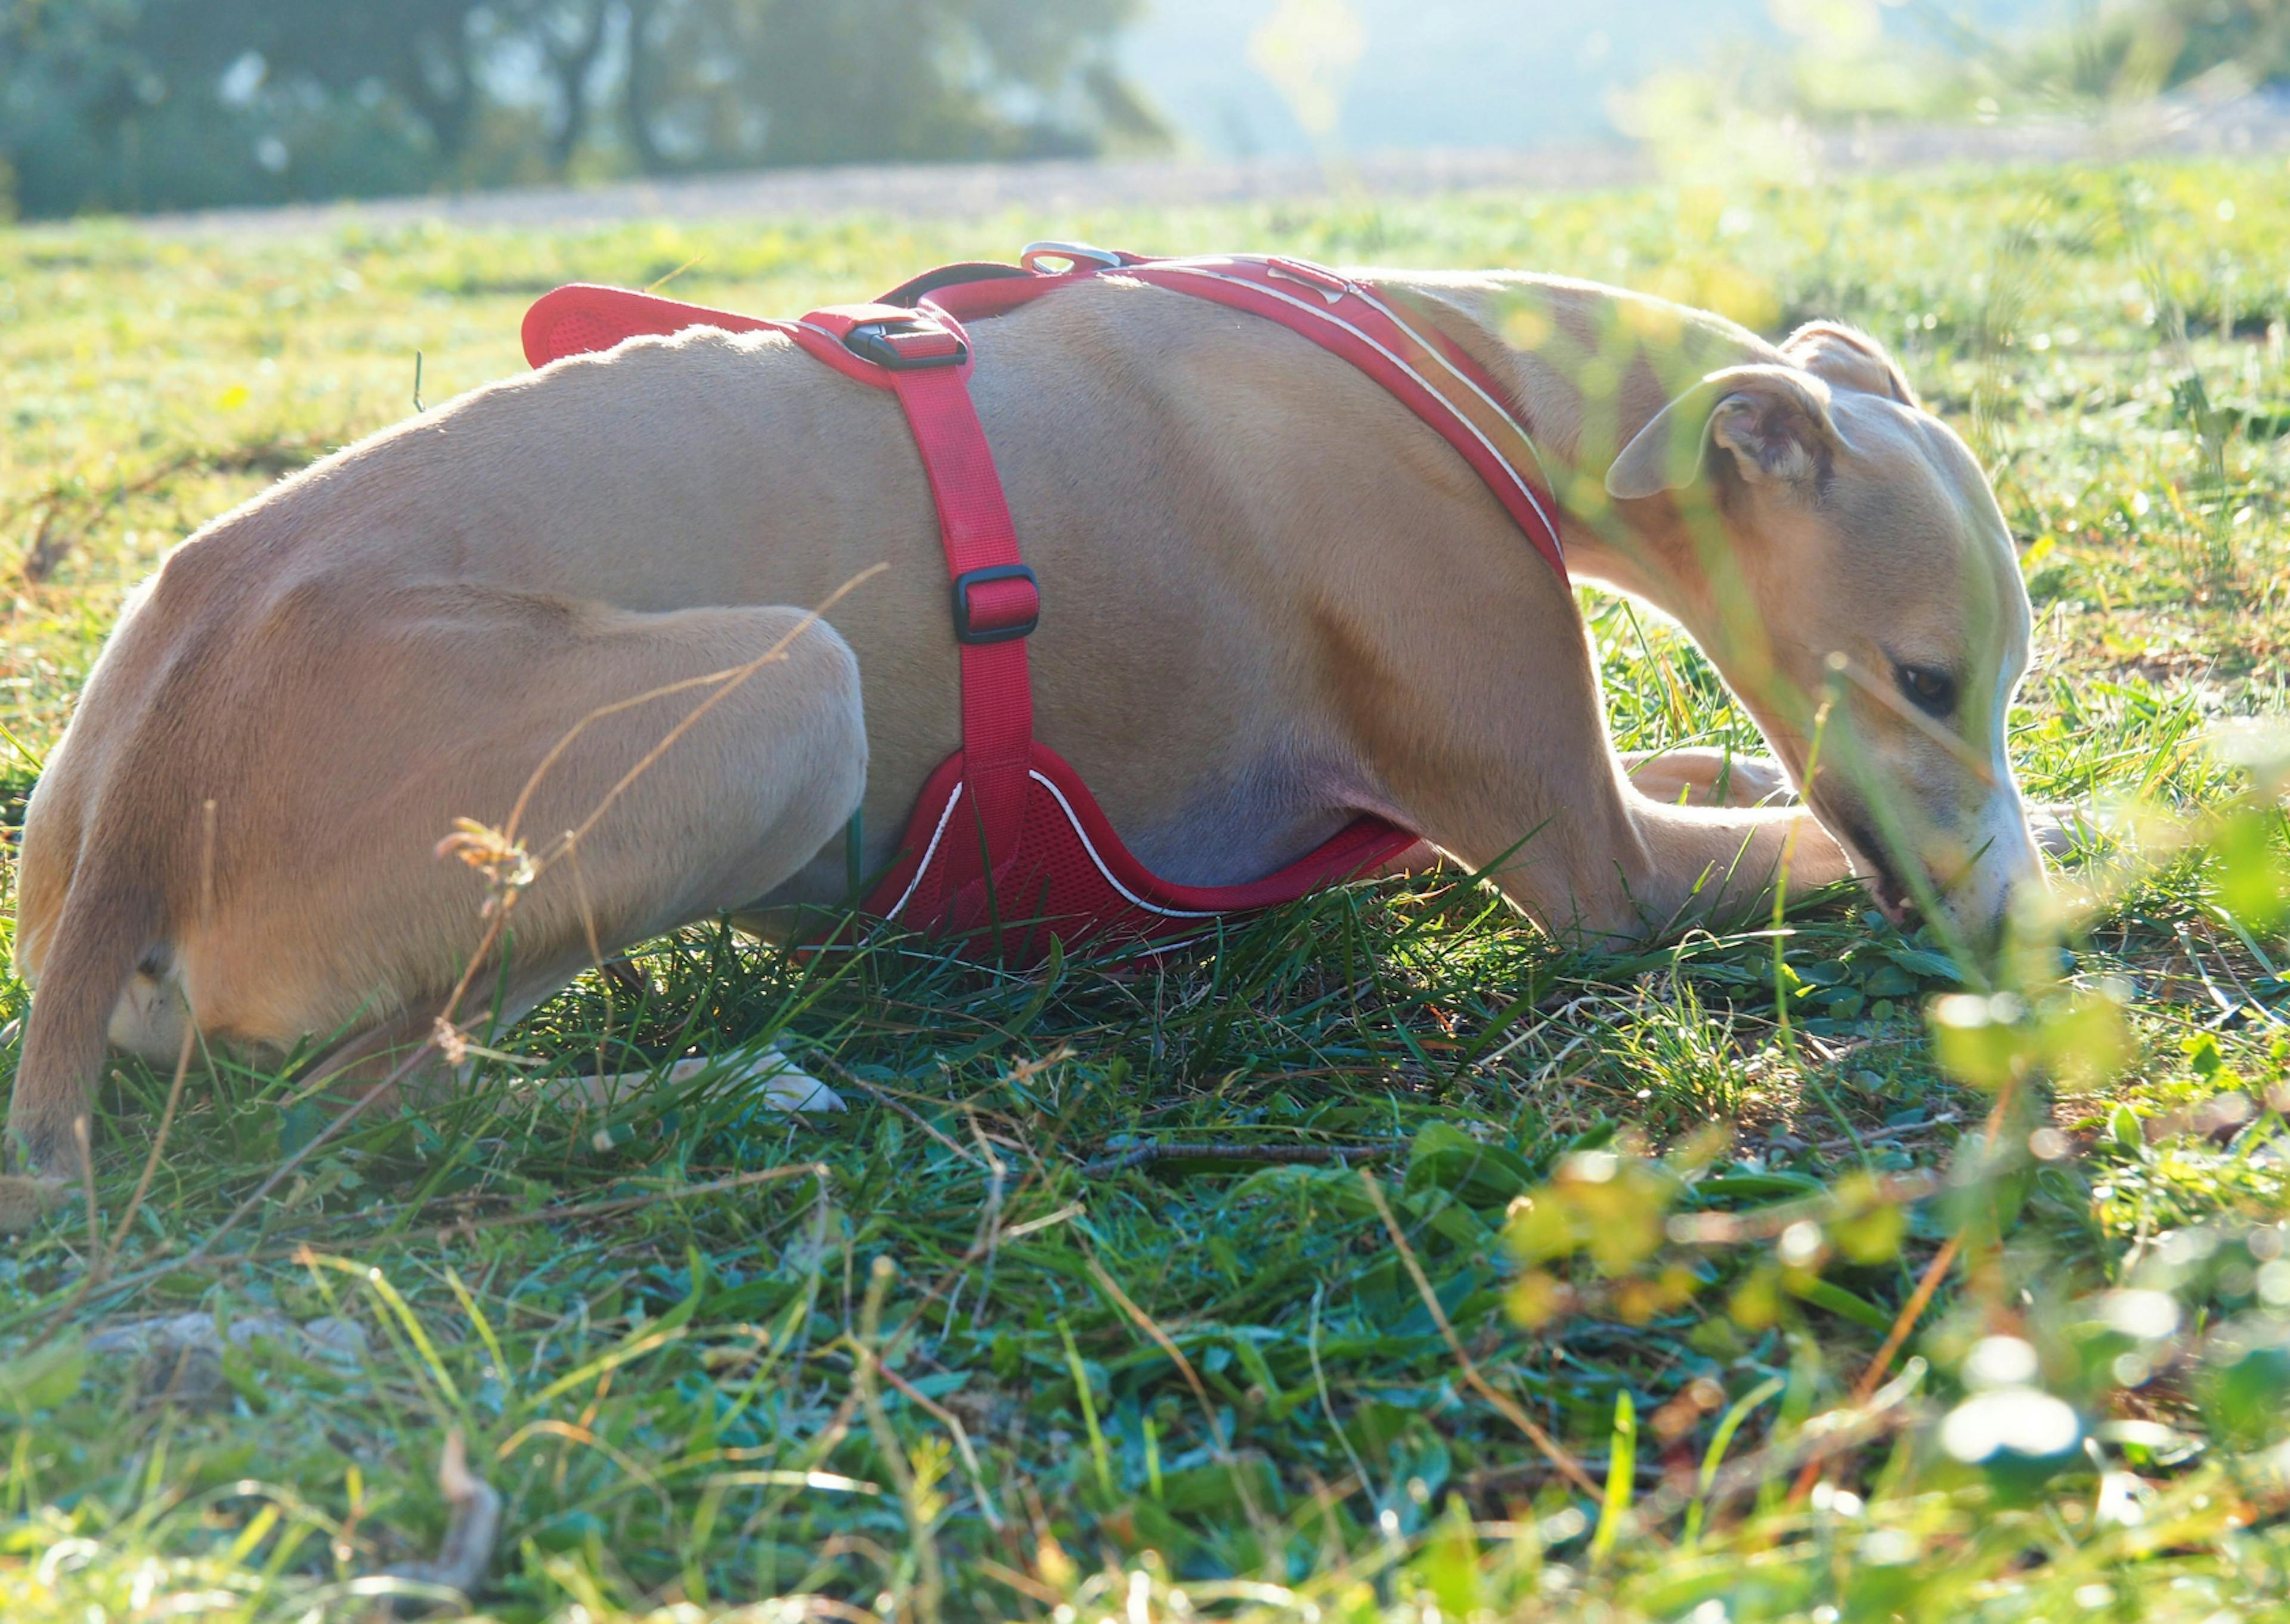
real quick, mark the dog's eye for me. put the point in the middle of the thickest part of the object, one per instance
(1930, 689)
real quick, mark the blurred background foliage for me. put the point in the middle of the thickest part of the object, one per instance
(166, 104)
(137, 105)
(1843, 62)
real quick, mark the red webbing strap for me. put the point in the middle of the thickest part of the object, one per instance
(923, 355)
(975, 526)
(1451, 393)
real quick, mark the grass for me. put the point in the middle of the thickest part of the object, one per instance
(1584, 1324)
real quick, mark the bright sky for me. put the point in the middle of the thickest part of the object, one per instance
(1446, 73)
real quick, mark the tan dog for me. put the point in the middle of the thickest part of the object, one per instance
(1273, 599)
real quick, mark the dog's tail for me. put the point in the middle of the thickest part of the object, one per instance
(107, 921)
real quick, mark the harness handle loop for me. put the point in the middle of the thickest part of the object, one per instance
(1319, 278)
(1071, 256)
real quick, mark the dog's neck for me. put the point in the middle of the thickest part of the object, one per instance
(1547, 336)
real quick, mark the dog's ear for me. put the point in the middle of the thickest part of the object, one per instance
(1847, 358)
(1773, 421)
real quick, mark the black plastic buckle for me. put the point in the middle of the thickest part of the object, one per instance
(964, 632)
(876, 341)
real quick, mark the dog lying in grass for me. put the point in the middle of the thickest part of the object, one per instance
(1278, 600)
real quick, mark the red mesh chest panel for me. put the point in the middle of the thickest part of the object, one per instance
(1069, 875)
(1006, 847)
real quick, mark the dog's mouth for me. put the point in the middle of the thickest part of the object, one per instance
(1885, 880)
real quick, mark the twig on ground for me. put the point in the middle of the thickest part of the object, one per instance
(1764, 1223)
(952, 1422)
(1912, 1310)
(466, 1550)
(1221, 1150)
(1554, 1451)
(626, 1204)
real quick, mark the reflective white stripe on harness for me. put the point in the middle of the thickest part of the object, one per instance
(1468, 382)
(1129, 896)
(1510, 468)
(929, 851)
(938, 833)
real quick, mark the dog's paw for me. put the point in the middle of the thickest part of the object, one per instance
(2062, 829)
(467, 1551)
(1756, 780)
(768, 1076)
(787, 1087)
(22, 1200)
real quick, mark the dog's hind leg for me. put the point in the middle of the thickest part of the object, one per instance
(626, 773)
(691, 784)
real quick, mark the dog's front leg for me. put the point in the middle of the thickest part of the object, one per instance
(1707, 778)
(1722, 867)
(1616, 867)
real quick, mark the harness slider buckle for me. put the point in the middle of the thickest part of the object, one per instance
(1004, 616)
(907, 346)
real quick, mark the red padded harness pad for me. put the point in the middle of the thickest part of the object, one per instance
(1007, 846)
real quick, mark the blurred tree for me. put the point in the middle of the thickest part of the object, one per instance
(425, 52)
(2124, 52)
(2159, 44)
(1922, 59)
(138, 104)
(717, 84)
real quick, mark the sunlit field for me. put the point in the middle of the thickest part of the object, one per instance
(1386, 1259)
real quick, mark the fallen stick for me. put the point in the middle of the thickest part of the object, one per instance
(1144, 1156)
(466, 1550)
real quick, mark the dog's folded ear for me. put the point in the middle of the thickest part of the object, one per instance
(1773, 420)
(1847, 358)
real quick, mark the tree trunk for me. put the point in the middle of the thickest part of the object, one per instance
(449, 112)
(636, 98)
(571, 68)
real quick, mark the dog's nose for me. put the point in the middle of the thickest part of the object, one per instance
(1977, 909)
(2006, 869)
(1982, 905)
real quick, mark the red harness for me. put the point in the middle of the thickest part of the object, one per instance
(1006, 839)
